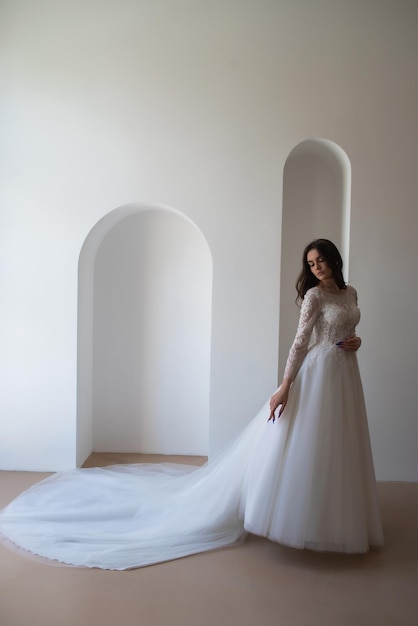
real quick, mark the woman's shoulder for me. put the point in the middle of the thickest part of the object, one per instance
(313, 294)
(351, 289)
(352, 293)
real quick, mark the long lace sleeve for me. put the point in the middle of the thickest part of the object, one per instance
(308, 315)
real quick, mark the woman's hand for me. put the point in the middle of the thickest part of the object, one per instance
(279, 398)
(350, 344)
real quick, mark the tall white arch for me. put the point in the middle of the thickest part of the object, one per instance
(144, 320)
(316, 203)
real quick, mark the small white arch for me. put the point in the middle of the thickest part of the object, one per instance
(156, 325)
(316, 203)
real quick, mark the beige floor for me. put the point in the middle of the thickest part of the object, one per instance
(256, 584)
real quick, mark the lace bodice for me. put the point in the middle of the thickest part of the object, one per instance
(331, 317)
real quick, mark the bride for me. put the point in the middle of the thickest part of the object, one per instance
(301, 473)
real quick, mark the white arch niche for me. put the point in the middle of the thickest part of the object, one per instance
(144, 334)
(316, 203)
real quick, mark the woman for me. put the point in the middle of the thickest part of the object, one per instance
(312, 485)
(306, 481)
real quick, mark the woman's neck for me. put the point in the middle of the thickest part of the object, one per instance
(329, 285)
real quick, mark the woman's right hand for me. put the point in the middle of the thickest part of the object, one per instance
(279, 398)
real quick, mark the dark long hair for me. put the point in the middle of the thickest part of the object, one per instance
(329, 252)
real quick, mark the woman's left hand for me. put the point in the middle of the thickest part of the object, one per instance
(350, 344)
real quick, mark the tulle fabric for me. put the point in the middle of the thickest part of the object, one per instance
(310, 483)
(306, 481)
(129, 516)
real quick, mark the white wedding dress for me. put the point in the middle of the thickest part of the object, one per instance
(306, 480)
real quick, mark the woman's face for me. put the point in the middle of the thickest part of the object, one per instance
(319, 267)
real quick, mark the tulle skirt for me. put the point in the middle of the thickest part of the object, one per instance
(310, 483)
(306, 481)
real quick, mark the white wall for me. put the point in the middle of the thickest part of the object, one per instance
(197, 104)
(151, 337)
